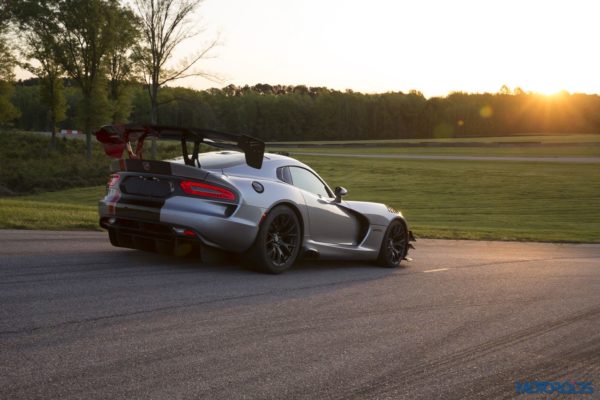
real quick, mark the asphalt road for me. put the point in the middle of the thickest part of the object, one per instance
(465, 319)
(568, 160)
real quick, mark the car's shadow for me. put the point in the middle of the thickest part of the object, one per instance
(235, 263)
(227, 282)
(228, 271)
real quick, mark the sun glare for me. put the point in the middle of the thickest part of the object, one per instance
(548, 91)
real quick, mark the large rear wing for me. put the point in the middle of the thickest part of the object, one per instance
(117, 138)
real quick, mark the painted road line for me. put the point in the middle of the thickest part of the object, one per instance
(436, 270)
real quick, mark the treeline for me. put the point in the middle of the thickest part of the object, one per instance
(278, 112)
(111, 61)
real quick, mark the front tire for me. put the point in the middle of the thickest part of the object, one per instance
(394, 245)
(278, 241)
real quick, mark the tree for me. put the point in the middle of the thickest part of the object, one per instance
(5, 11)
(165, 25)
(85, 34)
(8, 112)
(81, 34)
(39, 44)
(121, 66)
(36, 21)
(505, 90)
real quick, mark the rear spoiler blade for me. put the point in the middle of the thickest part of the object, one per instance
(117, 138)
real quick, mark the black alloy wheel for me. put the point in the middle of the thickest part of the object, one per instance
(281, 240)
(278, 241)
(394, 245)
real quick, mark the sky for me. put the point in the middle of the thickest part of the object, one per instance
(374, 46)
(434, 46)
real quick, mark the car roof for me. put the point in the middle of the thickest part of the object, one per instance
(234, 162)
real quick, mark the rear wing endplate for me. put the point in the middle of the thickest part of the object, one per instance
(117, 138)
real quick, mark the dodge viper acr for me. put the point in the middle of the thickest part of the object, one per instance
(270, 207)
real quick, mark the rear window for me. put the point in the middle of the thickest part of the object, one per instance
(218, 159)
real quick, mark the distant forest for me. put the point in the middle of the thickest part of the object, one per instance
(278, 112)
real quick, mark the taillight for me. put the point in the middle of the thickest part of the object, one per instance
(207, 190)
(112, 181)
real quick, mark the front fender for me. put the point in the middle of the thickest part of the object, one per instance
(375, 213)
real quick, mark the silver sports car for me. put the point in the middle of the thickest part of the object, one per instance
(269, 206)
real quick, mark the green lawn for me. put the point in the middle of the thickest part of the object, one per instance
(553, 138)
(478, 200)
(441, 199)
(564, 150)
(580, 145)
(62, 210)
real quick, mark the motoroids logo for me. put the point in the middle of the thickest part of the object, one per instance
(547, 387)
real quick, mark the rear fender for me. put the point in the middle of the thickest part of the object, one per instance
(255, 204)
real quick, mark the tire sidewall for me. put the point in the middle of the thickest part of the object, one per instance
(384, 258)
(260, 257)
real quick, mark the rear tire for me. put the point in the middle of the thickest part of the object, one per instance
(112, 236)
(278, 242)
(394, 245)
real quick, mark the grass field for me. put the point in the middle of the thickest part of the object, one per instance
(512, 151)
(519, 146)
(478, 200)
(441, 199)
(62, 210)
(551, 138)
(552, 146)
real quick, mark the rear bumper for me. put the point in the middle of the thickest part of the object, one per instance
(210, 222)
(150, 236)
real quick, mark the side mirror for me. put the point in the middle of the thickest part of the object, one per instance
(339, 192)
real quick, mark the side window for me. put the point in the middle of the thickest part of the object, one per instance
(283, 174)
(304, 179)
